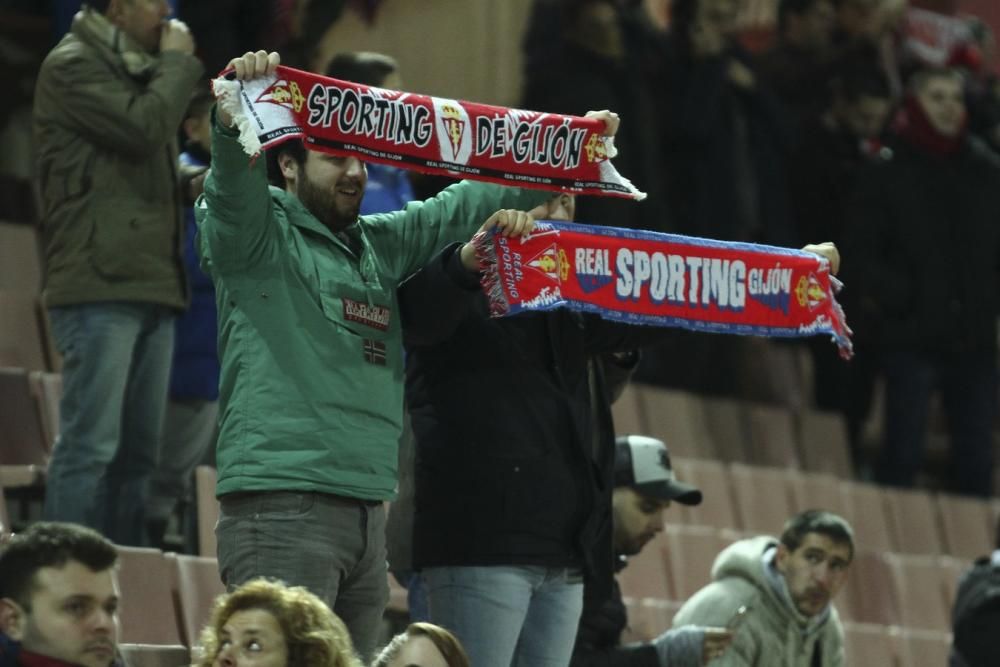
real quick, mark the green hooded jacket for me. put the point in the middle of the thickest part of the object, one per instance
(311, 389)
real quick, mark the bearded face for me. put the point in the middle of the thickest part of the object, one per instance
(331, 188)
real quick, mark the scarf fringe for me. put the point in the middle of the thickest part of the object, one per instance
(486, 255)
(228, 92)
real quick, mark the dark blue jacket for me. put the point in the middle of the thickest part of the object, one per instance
(195, 373)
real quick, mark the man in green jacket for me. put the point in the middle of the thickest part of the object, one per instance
(108, 101)
(785, 588)
(309, 333)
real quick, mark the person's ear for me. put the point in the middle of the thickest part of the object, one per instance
(12, 619)
(289, 167)
(781, 558)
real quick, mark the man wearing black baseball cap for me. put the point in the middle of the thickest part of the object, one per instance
(645, 485)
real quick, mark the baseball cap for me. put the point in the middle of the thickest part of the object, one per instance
(643, 463)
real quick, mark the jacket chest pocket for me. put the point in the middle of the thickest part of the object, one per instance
(364, 310)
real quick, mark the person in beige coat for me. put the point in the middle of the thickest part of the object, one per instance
(776, 595)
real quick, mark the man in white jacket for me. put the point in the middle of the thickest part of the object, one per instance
(786, 587)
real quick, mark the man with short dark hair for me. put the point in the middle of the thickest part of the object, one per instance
(58, 598)
(786, 586)
(645, 486)
(108, 101)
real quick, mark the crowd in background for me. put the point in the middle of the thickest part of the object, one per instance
(806, 139)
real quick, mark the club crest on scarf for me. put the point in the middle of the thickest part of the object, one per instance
(552, 263)
(809, 292)
(456, 145)
(283, 93)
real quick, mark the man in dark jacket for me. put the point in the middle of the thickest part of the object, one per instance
(527, 477)
(927, 243)
(833, 153)
(109, 99)
(645, 485)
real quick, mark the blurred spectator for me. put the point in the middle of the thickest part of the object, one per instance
(823, 173)
(645, 486)
(799, 67)
(108, 102)
(225, 27)
(24, 42)
(389, 187)
(784, 589)
(926, 243)
(423, 645)
(982, 87)
(63, 12)
(867, 35)
(724, 158)
(267, 623)
(834, 147)
(976, 613)
(190, 424)
(602, 58)
(727, 134)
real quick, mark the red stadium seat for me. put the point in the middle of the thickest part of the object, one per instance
(913, 521)
(717, 508)
(677, 418)
(147, 580)
(967, 525)
(208, 510)
(762, 497)
(869, 645)
(824, 443)
(198, 585)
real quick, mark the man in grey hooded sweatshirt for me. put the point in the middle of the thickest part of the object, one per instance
(781, 589)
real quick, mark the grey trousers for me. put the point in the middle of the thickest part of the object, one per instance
(189, 432)
(333, 546)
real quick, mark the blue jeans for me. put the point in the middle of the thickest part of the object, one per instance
(116, 369)
(506, 615)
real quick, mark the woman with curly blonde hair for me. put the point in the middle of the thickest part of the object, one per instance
(267, 624)
(423, 645)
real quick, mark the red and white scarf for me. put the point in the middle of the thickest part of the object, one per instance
(430, 134)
